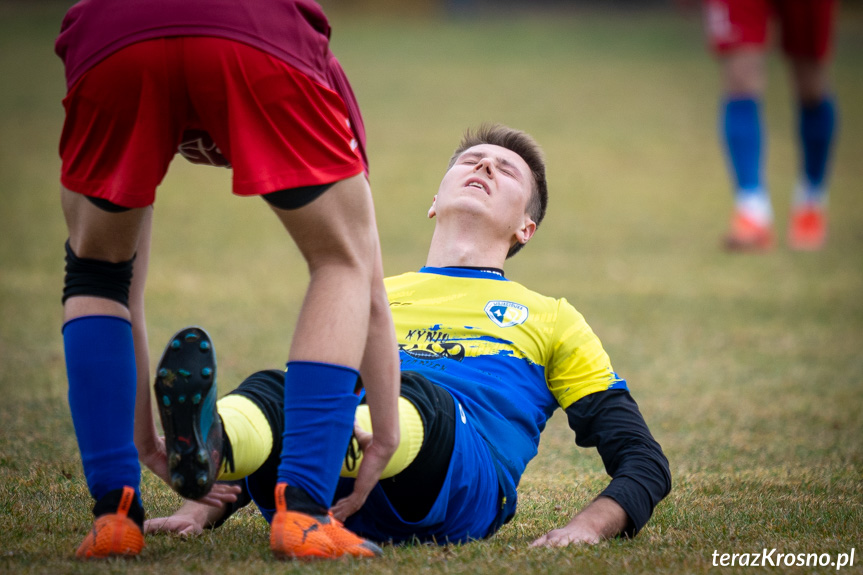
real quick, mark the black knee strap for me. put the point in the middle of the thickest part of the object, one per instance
(97, 278)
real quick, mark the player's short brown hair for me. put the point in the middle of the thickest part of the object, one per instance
(526, 147)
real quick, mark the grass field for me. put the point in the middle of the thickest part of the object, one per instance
(749, 369)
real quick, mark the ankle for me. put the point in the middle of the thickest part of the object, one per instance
(124, 501)
(297, 499)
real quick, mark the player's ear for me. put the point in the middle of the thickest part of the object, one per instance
(432, 213)
(524, 233)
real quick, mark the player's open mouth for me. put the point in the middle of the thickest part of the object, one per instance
(479, 185)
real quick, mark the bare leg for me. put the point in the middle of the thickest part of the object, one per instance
(336, 235)
(810, 80)
(343, 309)
(100, 360)
(817, 116)
(744, 82)
(743, 73)
(100, 235)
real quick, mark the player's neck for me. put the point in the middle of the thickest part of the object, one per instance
(464, 247)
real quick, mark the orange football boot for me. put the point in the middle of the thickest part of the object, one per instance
(113, 534)
(316, 534)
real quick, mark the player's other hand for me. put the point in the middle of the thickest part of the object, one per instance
(154, 455)
(220, 494)
(179, 524)
(375, 459)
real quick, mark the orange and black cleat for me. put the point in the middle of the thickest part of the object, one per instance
(115, 534)
(302, 529)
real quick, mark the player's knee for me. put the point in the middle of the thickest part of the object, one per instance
(97, 278)
(811, 82)
(745, 74)
(354, 254)
(349, 267)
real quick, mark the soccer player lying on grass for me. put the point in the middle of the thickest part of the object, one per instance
(485, 362)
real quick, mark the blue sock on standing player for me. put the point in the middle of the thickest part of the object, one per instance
(319, 418)
(817, 127)
(741, 130)
(100, 362)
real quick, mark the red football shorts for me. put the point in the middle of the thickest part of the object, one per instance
(806, 25)
(126, 116)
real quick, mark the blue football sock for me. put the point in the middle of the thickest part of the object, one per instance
(741, 130)
(817, 125)
(100, 364)
(319, 418)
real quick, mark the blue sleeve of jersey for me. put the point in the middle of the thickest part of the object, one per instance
(611, 422)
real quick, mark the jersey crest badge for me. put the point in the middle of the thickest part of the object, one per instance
(506, 313)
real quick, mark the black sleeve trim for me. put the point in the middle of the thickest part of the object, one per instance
(611, 422)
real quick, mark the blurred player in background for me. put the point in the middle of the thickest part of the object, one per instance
(485, 363)
(738, 32)
(251, 85)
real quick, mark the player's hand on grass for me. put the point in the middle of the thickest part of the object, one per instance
(601, 519)
(179, 524)
(375, 459)
(193, 516)
(567, 536)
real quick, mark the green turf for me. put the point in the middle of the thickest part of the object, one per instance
(749, 369)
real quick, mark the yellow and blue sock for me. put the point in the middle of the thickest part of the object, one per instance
(100, 363)
(319, 418)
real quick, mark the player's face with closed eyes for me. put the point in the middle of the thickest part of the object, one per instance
(487, 179)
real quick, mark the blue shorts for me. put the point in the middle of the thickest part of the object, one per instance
(469, 506)
(466, 509)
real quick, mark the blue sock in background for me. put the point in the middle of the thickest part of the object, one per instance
(100, 363)
(741, 130)
(817, 126)
(319, 418)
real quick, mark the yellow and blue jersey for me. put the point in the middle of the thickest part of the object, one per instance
(509, 355)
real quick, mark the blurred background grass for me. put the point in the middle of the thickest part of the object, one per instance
(749, 369)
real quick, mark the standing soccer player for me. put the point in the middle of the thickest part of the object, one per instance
(738, 32)
(252, 85)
